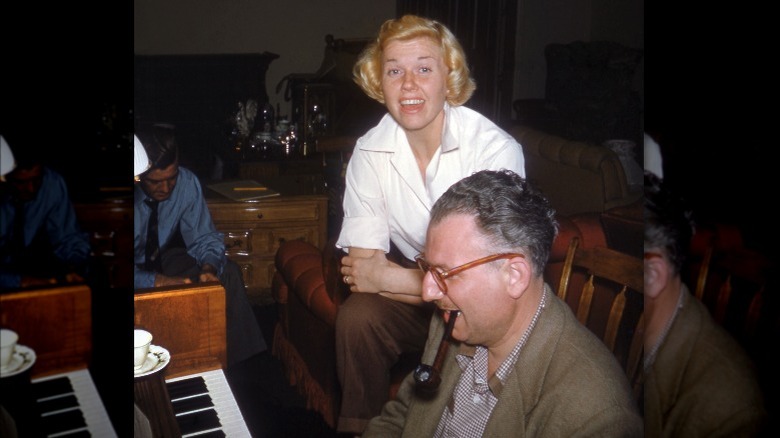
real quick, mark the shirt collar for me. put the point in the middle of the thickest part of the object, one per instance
(448, 139)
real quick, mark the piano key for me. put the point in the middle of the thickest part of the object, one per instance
(187, 387)
(68, 420)
(230, 420)
(200, 421)
(190, 404)
(58, 403)
(61, 417)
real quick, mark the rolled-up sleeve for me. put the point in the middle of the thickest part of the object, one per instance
(365, 222)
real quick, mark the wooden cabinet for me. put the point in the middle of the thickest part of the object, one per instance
(254, 230)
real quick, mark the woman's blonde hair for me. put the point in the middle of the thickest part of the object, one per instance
(367, 72)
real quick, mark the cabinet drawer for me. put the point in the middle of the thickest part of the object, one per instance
(288, 211)
(257, 272)
(271, 238)
(265, 241)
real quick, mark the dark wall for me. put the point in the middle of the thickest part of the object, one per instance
(198, 94)
(708, 104)
(67, 89)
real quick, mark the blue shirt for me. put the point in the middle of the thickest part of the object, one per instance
(51, 212)
(186, 210)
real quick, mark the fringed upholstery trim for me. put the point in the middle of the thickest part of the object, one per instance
(298, 375)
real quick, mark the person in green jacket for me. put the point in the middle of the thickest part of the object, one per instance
(698, 381)
(519, 363)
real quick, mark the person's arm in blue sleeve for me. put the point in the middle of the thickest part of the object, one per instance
(70, 243)
(204, 242)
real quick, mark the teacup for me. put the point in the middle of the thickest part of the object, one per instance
(142, 340)
(8, 339)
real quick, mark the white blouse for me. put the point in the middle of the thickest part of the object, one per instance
(386, 198)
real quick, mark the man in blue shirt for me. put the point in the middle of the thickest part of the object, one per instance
(41, 242)
(186, 247)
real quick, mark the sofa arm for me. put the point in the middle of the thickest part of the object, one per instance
(311, 274)
(299, 264)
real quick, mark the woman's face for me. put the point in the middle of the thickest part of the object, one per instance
(414, 82)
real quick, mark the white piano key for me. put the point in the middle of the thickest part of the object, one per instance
(228, 412)
(90, 404)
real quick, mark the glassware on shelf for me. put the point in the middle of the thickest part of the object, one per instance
(263, 146)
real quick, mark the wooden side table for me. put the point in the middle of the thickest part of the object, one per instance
(253, 231)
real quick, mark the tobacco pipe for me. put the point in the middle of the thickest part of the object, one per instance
(426, 376)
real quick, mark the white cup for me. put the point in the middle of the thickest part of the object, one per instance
(8, 340)
(141, 342)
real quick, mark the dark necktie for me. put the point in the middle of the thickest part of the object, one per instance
(153, 262)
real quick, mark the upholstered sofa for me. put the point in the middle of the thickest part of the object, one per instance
(308, 289)
(576, 176)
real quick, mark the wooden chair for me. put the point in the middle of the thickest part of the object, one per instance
(610, 301)
(732, 284)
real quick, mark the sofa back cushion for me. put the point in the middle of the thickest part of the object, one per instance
(577, 177)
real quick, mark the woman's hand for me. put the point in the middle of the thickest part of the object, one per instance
(369, 271)
(364, 272)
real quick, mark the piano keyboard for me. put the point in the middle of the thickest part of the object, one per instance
(69, 405)
(205, 407)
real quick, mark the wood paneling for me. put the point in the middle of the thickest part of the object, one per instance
(55, 322)
(189, 322)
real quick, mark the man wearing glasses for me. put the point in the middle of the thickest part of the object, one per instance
(177, 243)
(698, 379)
(519, 362)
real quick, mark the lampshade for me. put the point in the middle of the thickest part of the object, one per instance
(7, 162)
(140, 159)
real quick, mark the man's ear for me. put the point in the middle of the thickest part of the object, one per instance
(518, 272)
(657, 275)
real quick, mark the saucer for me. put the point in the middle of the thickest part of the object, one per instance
(157, 359)
(21, 361)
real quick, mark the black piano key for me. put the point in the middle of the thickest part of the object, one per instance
(62, 421)
(57, 404)
(198, 421)
(192, 404)
(48, 388)
(186, 387)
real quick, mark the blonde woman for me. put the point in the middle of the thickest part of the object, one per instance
(426, 142)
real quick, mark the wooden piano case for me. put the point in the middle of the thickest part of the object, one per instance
(55, 322)
(189, 322)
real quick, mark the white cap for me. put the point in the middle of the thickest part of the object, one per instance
(652, 157)
(140, 160)
(7, 162)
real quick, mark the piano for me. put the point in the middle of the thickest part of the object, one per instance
(205, 407)
(69, 405)
(201, 399)
(64, 401)
(59, 396)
